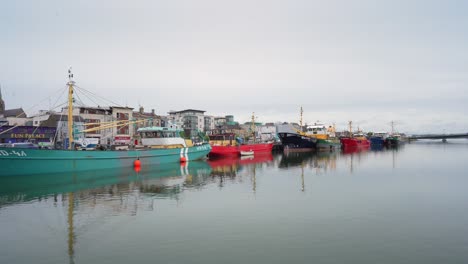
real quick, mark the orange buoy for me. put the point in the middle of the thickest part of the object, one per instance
(137, 163)
(183, 159)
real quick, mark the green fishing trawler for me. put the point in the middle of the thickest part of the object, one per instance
(326, 138)
(159, 145)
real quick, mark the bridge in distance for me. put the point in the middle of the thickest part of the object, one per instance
(444, 137)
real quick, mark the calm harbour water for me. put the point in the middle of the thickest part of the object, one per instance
(405, 205)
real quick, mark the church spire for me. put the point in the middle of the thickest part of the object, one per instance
(2, 103)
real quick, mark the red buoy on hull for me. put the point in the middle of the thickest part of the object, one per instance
(137, 163)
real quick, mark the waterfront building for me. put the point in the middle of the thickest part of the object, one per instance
(16, 134)
(95, 117)
(42, 116)
(86, 117)
(2, 103)
(122, 135)
(3, 120)
(226, 125)
(191, 120)
(209, 124)
(147, 119)
(16, 117)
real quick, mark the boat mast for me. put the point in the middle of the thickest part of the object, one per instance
(300, 121)
(350, 128)
(252, 126)
(392, 127)
(70, 108)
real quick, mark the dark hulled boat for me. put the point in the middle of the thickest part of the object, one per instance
(293, 140)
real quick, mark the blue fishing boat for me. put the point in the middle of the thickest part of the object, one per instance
(378, 138)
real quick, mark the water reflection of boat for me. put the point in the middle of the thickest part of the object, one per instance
(75, 189)
(377, 147)
(294, 159)
(230, 165)
(320, 161)
(24, 188)
(354, 149)
(244, 160)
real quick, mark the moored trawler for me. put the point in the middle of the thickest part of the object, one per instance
(294, 139)
(378, 138)
(394, 139)
(326, 140)
(165, 147)
(227, 144)
(357, 140)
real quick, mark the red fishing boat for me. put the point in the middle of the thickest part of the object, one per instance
(227, 144)
(219, 149)
(355, 140)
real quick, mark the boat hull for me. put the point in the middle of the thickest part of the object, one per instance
(328, 145)
(225, 151)
(296, 142)
(377, 141)
(355, 143)
(40, 161)
(392, 141)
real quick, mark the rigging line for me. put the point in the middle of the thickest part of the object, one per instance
(100, 97)
(8, 129)
(80, 90)
(112, 128)
(34, 131)
(17, 116)
(56, 101)
(56, 129)
(89, 95)
(57, 106)
(44, 99)
(79, 101)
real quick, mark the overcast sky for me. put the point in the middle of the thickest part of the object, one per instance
(367, 61)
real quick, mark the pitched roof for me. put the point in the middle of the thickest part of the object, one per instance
(53, 119)
(186, 110)
(18, 112)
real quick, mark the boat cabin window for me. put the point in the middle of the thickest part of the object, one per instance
(315, 130)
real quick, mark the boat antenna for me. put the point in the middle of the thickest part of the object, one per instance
(70, 108)
(252, 126)
(300, 121)
(350, 128)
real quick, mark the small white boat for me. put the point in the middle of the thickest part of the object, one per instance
(247, 153)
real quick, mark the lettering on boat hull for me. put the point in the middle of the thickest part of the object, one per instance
(12, 153)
